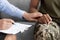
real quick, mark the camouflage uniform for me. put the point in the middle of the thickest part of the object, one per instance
(47, 32)
(51, 31)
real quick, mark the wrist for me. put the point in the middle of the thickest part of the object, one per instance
(25, 16)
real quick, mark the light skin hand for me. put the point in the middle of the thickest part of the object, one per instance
(37, 16)
(32, 16)
(5, 23)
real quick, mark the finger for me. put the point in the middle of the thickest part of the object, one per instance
(7, 26)
(40, 14)
(42, 20)
(10, 21)
(37, 15)
(50, 19)
(46, 19)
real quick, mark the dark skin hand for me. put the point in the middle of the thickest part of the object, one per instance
(38, 17)
(45, 19)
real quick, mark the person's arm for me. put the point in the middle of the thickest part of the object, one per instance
(33, 5)
(45, 18)
(10, 9)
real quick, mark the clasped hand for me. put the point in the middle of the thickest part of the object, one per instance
(37, 16)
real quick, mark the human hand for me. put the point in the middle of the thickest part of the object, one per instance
(45, 19)
(32, 16)
(5, 23)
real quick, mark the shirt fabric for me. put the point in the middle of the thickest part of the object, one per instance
(52, 7)
(10, 9)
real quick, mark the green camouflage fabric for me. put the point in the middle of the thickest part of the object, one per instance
(46, 31)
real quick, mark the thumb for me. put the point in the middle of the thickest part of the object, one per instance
(38, 15)
(11, 21)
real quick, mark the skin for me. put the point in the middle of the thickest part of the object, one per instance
(10, 37)
(5, 24)
(34, 15)
(43, 19)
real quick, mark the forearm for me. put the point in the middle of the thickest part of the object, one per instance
(33, 10)
(33, 5)
(10, 9)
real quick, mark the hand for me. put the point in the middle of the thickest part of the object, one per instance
(32, 16)
(5, 23)
(45, 19)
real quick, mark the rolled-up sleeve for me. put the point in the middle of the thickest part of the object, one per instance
(10, 9)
